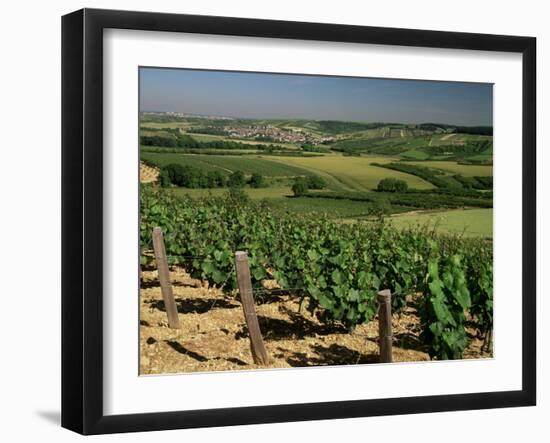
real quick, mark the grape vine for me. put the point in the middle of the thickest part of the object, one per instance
(336, 268)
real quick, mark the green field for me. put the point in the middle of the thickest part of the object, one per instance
(153, 129)
(164, 125)
(353, 173)
(414, 144)
(281, 198)
(145, 131)
(209, 138)
(336, 209)
(470, 222)
(345, 155)
(456, 139)
(414, 155)
(228, 163)
(340, 172)
(483, 157)
(456, 168)
(253, 193)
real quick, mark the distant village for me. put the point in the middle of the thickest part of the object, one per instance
(266, 133)
(275, 134)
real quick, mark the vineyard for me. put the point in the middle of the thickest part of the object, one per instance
(333, 270)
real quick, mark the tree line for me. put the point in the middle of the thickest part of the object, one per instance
(187, 176)
(188, 142)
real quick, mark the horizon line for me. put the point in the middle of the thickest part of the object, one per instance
(315, 120)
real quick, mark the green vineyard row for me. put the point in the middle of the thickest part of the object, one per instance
(338, 268)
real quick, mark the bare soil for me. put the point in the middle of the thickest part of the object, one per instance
(147, 174)
(213, 336)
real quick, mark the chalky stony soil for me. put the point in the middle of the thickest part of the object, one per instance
(213, 334)
(147, 174)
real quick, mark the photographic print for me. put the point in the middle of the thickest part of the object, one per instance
(292, 220)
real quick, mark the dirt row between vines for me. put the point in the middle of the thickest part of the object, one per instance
(213, 335)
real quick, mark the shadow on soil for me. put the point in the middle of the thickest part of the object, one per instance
(183, 350)
(266, 296)
(201, 358)
(331, 355)
(410, 341)
(148, 284)
(233, 360)
(296, 328)
(194, 305)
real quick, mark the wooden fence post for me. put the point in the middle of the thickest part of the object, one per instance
(164, 277)
(259, 353)
(384, 326)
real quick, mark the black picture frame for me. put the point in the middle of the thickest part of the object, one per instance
(82, 219)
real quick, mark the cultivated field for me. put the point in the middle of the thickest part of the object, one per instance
(341, 172)
(470, 222)
(248, 164)
(184, 124)
(254, 193)
(456, 168)
(281, 198)
(456, 139)
(353, 173)
(329, 213)
(209, 137)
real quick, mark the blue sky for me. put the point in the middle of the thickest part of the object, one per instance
(257, 95)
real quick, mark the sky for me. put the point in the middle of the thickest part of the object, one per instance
(259, 95)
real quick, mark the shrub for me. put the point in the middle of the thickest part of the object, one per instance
(190, 177)
(380, 207)
(299, 188)
(485, 182)
(257, 180)
(392, 185)
(315, 182)
(215, 179)
(164, 178)
(236, 180)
